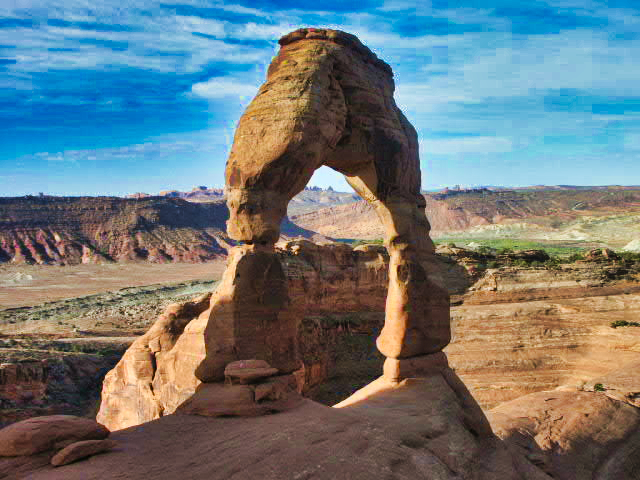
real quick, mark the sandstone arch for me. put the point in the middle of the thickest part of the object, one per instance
(328, 100)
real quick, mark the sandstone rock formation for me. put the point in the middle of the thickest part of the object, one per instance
(573, 435)
(426, 427)
(164, 367)
(328, 100)
(58, 384)
(524, 330)
(80, 450)
(39, 434)
(483, 210)
(72, 230)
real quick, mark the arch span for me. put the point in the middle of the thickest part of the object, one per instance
(328, 100)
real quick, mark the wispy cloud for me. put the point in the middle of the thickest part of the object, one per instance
(221, 88)
(556, 77)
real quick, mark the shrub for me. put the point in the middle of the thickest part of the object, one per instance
(575, 257)
(598, 387)
(624, 323)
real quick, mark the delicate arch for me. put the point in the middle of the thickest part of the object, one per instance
(328, 100)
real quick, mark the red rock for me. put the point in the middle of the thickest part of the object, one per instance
(39, 434)
(81, 450)
(248, 371)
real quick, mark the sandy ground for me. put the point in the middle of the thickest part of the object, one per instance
(26, 285)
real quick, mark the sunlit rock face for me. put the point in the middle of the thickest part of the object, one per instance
(328, 100)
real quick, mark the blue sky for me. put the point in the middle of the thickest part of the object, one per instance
(119, 96)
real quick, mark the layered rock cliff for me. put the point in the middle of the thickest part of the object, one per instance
(456, 211)
(522, 330)
(70, 230)
(57, 384)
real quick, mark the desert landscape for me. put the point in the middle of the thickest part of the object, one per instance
(268, 327)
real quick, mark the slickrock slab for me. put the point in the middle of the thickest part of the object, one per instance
(80, 450)
(573, 435)
(39, 434)
(248, 371)
(621, 384)
(417, 429)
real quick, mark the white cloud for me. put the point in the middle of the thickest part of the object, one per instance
(224, 87)
(157, 149)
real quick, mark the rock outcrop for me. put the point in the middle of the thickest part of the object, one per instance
(573, 435)
(427, 427)
(165, 366)
(469, 210)
(59, 383)
(523, 330)
(81, 450)
(40, 434)
(328, 100)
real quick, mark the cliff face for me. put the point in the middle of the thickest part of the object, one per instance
(527, 330)
(358, 220)
(458, 211)
(58, 384)
(71, 230)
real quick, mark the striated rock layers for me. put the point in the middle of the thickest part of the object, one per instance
(72, 230)
(524, 330)
(58, 384)
(456, 211)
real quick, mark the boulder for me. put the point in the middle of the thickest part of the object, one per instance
(39, 434)
(248, 371)
(80, 450)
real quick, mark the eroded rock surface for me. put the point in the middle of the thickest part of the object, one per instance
(39, 434)
(328, 100)
(573, 435)
(426, 427)
(80, 450)
(193, 342)
(523, 330)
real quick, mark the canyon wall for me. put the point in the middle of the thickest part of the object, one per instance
(71, 230)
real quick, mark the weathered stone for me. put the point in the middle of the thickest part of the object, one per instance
(80, 450)
(396, 370)
(573, 435)
(250, 316)
(39, 434)
(158, 372)
(328, 100)
(248, 371)
(219, 400)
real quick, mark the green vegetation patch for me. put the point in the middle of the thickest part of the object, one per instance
(624, 323)
(557, 249)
